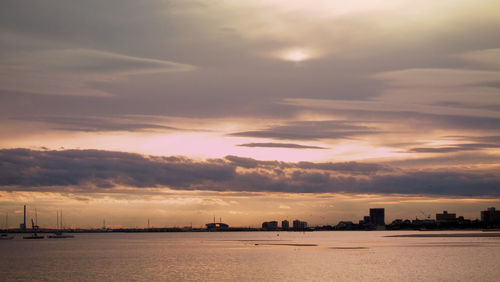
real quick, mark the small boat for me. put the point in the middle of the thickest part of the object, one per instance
(60, 235)
(34, 236)
(6, 237)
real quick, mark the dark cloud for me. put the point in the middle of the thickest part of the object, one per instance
(467, 122)
(463, 159)
(491, 107)
(96, 124)
(104, 171)
(493, 139)
(280, 145)
(455, 148)
(354, 168)
(473, 143)
(437, 182)
(417, 120)
(310, 130)
(253, 163)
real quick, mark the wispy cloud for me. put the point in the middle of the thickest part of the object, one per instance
(280, 145)
(97, 124)
(487, 57)
(310, 130)
(74, 71)
(455, 148)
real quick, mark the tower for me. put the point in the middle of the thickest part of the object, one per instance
(377, 217)
(22, 226)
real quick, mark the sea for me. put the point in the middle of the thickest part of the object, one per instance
(252, 256)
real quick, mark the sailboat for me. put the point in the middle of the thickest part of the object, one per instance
(59, 234)
(34, 235)
(5, 236)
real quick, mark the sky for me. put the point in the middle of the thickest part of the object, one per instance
(248, 110)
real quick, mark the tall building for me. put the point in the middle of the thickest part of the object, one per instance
(377, 216)
(299, 225)
(491, 215)
(285, 225)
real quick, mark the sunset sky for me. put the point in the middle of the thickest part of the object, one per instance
(247, 110)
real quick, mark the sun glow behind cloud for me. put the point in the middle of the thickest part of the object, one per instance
(296, 55)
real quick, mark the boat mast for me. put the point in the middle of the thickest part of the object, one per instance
(33, 227)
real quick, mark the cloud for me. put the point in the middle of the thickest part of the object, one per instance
(454, 88)
(390, 113)
(280, 145)
(353, 168)
(73, 71)
(455, 148)
(310, 130)
(382, 72)
(461, 160)
(474, 143)
(92, 171)
(97, 124)
(220, 37)
(437, 77)
(488, 57)
(85, 61)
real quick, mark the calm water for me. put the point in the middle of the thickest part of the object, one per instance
(255, 256)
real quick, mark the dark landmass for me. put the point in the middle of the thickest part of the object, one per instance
(349, 248)
(287, 244)
(484, 234)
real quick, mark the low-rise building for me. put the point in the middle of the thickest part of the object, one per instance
(446, 217)
(216, 226)
(346, 225)
(270, 225)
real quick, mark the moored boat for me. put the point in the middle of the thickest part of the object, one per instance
(6, 237)
(60, 235)
(34, 235)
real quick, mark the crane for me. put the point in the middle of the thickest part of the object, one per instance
(428, 216)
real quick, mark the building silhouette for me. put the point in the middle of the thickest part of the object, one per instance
(299, 225)
(216, 226)
(366, 219)
(446, 217)
(490, 216)
(377, 216)
(285, 225)
(270, 225)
